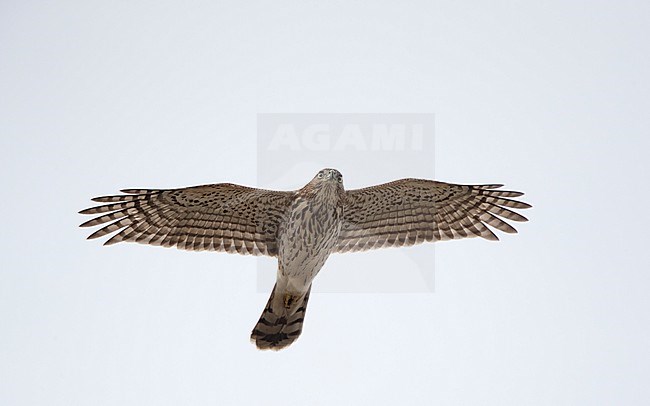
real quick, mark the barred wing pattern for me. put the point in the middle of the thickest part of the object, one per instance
(411, 211)
(220, 217)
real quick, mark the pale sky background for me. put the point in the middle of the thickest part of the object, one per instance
(549, 98)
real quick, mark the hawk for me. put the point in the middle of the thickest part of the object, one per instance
(302, 228)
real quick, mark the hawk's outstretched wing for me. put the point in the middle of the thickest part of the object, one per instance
(412, 211)
(221, 217)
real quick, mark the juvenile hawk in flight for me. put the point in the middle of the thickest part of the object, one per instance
(302, 228)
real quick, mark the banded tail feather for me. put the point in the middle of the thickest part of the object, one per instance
(281, 321)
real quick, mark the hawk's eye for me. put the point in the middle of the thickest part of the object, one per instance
(320, 175)
(340, 179)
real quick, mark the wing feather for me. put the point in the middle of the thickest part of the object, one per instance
(219, 217)
(413, 211)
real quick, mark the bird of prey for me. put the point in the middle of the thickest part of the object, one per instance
(302, 228)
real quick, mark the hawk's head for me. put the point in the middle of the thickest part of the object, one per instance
(326, 180)
(328, 176)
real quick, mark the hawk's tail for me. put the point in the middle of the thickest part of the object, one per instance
(281, 321)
